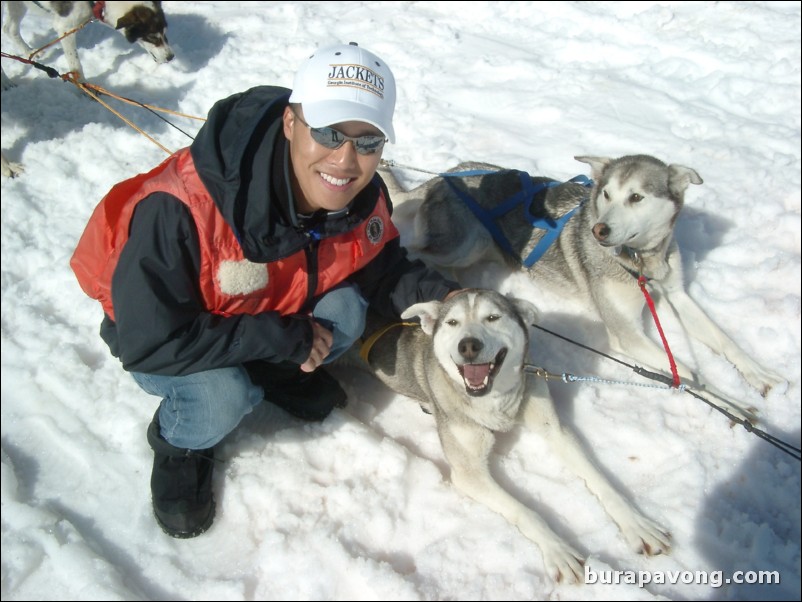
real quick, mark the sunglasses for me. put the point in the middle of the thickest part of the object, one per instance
(331, 138)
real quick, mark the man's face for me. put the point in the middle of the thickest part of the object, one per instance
(327, 178)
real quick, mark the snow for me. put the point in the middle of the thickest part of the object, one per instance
(360, 507)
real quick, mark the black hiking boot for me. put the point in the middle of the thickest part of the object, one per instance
(181, 485)
(306, 395)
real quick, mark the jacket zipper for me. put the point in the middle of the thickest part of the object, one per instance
(311, 264)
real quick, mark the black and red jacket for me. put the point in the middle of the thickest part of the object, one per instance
(202, 263)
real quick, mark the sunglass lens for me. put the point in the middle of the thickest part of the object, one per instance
(328, 137)
(331, 138)
(367, 145)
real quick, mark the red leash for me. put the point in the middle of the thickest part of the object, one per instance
(642, 283)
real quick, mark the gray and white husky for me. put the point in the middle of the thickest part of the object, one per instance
(623, 228)
(465, 364)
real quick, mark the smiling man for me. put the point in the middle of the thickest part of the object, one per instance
(232, 271)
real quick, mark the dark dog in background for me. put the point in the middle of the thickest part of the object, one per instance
(140, 22)
(143, 23)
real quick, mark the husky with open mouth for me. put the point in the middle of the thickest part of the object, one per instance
(465, 364)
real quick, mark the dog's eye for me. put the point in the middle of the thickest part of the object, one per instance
(606, 196)
(452, 322)
(635, 198)
(493, 317)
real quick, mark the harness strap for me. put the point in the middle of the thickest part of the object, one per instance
(98, 8)
(553, 231)
(524, 197)
(367, 345)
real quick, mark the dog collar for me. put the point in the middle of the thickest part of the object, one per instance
(367, 345)
(635, 257)
(98, 8)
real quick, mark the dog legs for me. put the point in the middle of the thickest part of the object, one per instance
(642, 534)
(467, 447)
(623, 320)
(69, 45)
(81, 13)
(16, 11)
(699, 325)
(7, 83)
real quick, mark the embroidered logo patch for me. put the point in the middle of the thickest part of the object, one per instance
(375, 229)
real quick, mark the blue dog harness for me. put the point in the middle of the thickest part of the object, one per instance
(524, 197)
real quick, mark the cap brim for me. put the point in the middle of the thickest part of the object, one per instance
(331, 112)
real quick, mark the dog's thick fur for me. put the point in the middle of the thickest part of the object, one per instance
(624, 227)
(465, 365)
(140, 22)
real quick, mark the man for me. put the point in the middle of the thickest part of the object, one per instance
(232, 271)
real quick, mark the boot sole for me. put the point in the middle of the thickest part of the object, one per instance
(188, 534)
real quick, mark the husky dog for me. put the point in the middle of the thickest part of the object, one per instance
(464, 363)
(140, 22)
(623, 228)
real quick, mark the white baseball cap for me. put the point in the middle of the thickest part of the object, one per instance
(346, 83)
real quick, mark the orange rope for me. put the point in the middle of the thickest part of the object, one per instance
(49, 44)
(94, 91)
(100, 90)
(85, 89)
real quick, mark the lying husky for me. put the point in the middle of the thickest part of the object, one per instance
(465, 364)
(622, 228)
(140, 22)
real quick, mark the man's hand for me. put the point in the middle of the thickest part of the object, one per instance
(321, 345)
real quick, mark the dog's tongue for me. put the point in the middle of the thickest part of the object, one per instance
(475, 374)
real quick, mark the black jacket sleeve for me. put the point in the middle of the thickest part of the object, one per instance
(161, 325)
(392, 282)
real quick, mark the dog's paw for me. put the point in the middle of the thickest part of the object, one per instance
(646, 536)
(747, 414)
(11, 169)
(737, 409)
(770, 383)
(563, 563)
(762, 379)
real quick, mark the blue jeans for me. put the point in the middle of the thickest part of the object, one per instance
(199, 409)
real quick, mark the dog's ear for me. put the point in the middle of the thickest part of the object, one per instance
(527, 310)
(427, 312)
(679, 177)
(597, 165)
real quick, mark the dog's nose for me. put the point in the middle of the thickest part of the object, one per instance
(601, 231)
(469, 348)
